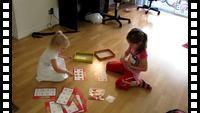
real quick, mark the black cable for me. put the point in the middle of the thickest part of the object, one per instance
(50, 24)
(39, 34)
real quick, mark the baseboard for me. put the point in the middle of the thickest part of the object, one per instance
(28, 32)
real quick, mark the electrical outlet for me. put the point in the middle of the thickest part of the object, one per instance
(51, 11)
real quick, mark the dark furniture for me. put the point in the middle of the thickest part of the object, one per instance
(116, 16)
(149, 7)
(70, 11)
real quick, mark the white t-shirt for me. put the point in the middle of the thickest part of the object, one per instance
(45, 71)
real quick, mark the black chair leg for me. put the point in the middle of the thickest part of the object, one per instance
(149, 8)
(107, 19)
(121, 18)
(155, 9)
(116, 15)
(120, 24)
(144, 7)
(109, 16)
(117, 19)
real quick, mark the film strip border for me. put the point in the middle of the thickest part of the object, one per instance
(6, 63)
(6, 36)
(193, 58)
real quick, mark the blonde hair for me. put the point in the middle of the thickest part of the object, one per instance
(59, 39)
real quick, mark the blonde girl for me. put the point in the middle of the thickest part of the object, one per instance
(51, 66)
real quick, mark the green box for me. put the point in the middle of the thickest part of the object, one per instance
(83, 57)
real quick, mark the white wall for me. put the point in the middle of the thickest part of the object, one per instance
(14, 29)
(32, 16)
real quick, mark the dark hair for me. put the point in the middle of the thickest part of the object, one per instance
(137, 36)
(175, 111)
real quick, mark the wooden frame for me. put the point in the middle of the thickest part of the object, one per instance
(99, 57)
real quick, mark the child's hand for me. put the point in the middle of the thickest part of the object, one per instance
(67, 58)
(126, 82)
(71, 74)
(60, 32)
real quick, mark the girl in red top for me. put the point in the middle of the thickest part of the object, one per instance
(133, 62)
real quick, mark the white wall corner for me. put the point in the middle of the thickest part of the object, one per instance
(32, 16)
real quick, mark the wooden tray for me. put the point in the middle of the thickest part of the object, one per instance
(104, 54)
(83, 57)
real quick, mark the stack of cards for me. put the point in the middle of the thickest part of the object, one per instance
(69, 101)
(44, 93)
(96, 93)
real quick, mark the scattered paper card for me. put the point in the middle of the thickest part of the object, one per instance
(110, 99)
(79, 74)
(72, 108)
(102, 77)
(96, 93)
(69, 101)
(44, 93)
(64, 96)
(53, 107)
(81, 100)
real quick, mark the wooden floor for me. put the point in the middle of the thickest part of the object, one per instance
(167, 68)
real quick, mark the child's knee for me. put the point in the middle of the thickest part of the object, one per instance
(108, 66)
(118, 82)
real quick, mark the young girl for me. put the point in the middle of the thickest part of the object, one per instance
(52, 65)
(133, 62)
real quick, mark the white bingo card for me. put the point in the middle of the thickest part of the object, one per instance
(64, 96)
(78, 74)
(55, 108)
(45, 92)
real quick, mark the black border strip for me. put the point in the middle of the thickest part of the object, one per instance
(190, 64)
(6, 55)
(10, 55)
